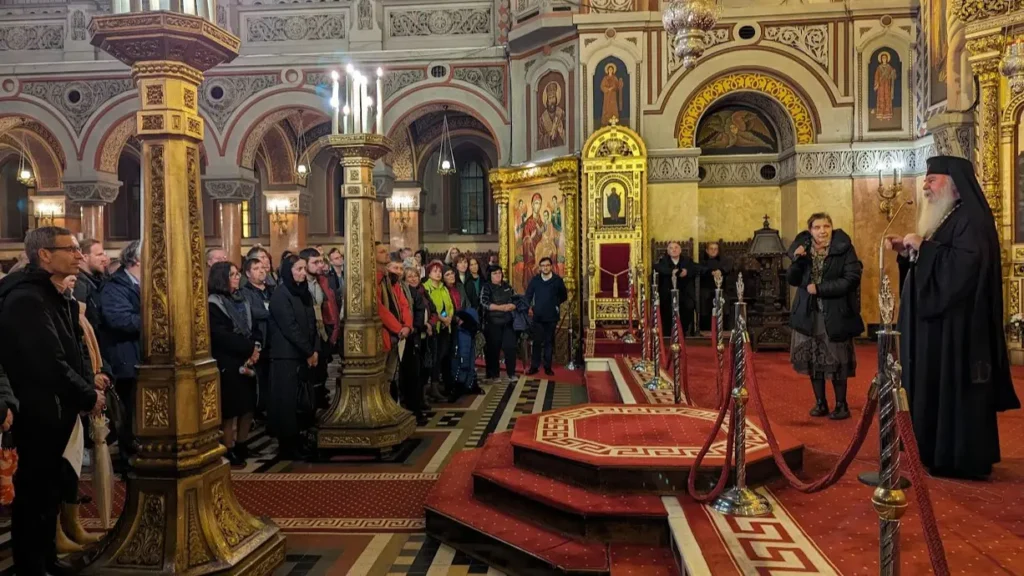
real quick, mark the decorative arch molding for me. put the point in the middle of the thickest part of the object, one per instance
(46, 164)
(108, 154)
(31, 125)
(465, 137)
(255, 111)
(255, 135)
(277, 150)
(432, 98)
(799, 111)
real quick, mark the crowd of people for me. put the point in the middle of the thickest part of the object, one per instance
(71, 328)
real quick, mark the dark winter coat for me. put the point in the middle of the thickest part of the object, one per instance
(259, 306)
(87, 291)
(231, 348)
(838, 289)
(120, 330)
(293, 333)
(42, 352)
(492, 293)
(464, 358)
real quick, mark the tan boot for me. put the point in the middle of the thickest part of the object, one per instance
(64, 544)
(72, 524)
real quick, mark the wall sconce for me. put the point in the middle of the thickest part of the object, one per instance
(47, 210)
(889, 193)
(404, 206)
(279, 208)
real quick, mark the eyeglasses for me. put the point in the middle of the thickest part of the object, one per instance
(72, 249)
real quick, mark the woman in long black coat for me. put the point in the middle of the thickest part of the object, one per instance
(234, 344)
(293, 351)
(826, 310)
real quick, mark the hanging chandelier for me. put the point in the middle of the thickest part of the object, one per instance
(25, 169)
(446, 156)
(688, 22)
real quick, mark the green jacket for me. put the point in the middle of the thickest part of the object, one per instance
(442, 300)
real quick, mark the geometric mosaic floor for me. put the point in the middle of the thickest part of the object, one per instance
(337, 532)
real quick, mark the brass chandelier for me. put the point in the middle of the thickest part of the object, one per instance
(688, 22)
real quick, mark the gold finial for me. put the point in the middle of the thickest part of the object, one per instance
(717, 275)
(739, 287)
(613, 121)
(886, 301)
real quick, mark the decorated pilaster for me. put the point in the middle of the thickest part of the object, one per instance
(363, 413)
(181, 515)
(985, 49)
(500, 192)
(229, 195)
(91, 199)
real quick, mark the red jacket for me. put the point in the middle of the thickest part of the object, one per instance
(392, 324)
(330, 310)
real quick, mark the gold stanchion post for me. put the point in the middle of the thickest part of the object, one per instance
(676, 383)
(644, 364)
(719, 324)
(629, 338)
(181, 515)
(741, 500)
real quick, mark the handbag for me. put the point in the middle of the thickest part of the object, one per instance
(305, 397)
(116, 411)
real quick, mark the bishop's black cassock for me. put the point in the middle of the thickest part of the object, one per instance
(955, 367)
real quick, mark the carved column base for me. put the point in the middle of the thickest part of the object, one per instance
(189, 525)
(363, 414)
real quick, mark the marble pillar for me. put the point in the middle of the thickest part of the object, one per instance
(90, 199)
(180, 515)
(229, 195)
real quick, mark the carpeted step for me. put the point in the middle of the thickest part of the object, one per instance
(601, 387)
(642, 560)
(499, 539)
(580, 512)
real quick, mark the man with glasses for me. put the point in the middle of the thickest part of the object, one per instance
(41, 351)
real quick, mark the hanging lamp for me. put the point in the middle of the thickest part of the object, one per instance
(446, 155)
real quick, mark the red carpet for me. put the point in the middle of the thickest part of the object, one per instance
(601, 388)
(607, 342)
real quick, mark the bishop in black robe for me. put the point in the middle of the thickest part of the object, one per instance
(675, 264)
(953, 348)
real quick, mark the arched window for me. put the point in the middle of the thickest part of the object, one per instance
(470, 198)
(124, 213)
(13, 201)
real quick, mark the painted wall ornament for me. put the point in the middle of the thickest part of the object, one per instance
(551, 111)
(736, 130)
(885, 91)
(611, 92)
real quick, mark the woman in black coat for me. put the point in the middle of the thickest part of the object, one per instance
(826, 310)
(235, 345)
(293, 351)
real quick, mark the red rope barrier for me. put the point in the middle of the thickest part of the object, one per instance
(845, 459)
(691, 481)
(936, 552)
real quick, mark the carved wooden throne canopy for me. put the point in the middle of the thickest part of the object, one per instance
(614, 219)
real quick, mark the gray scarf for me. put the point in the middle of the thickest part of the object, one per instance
(241, 321)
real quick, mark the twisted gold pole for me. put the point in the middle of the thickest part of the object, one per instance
(656, 382)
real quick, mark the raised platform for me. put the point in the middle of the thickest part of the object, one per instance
(637, 448)
(590, 489)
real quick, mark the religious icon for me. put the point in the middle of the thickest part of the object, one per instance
(611, 92)
(938, 46)
(551, 122)
(736, 130)
(613, 213)
(885, 90)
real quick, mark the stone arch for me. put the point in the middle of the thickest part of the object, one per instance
(48, 125)
(778, 117)
(108, 153)
(405, 161)
(800, 112)
(279, 155)
(40, 146)
(415, 103)
(253, 117)
(255, 135)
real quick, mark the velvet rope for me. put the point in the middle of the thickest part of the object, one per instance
(845, 459)
(936, 552)
(723, 477)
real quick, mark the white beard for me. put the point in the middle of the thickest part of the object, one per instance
(933, 211)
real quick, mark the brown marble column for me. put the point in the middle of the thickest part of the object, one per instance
(90, 199)
(289, 215)
(229, 195)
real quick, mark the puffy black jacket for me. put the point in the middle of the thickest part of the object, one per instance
(839, 289)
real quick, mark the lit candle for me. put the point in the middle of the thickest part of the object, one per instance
(363, 112)
(346, 111)
(350, 88)
(369, 104)
(380, 101)
(335, 103)
(357, 105)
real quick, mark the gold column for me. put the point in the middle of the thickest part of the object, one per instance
(985, 51)
(181, 515)
(363, 414)
(500, 194)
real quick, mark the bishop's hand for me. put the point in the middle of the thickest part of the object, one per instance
(912, 241)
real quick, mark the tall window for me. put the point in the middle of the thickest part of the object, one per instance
(339, 200)
(252, 221)
(13, 202)
(125, 212)
(471, 193)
